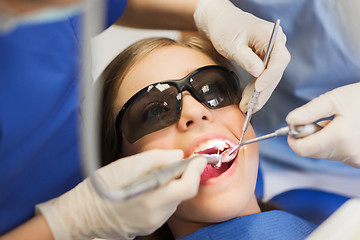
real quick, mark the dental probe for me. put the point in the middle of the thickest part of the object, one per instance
(161, 176)
(299, 131)
(255, 95)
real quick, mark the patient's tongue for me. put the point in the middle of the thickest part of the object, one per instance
(210, 172)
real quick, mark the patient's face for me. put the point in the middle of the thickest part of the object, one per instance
(224, 193)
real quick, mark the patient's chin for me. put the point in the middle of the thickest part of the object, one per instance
(215, 210)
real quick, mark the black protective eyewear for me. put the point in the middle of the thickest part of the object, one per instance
(158, 105)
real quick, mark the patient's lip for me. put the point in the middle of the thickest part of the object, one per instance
(208, 138)
(211, 145)
(211, 172)
(207, 181)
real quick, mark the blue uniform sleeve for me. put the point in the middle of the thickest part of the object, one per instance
(39, 114)
(115, 9)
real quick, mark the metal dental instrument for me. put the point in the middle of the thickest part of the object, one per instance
(253, 99)
(299, 131)
(161, 176)
(256, 93)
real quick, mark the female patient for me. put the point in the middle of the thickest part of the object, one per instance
(195, 109)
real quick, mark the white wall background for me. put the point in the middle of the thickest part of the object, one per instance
(111, 42)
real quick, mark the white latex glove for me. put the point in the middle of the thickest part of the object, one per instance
(339, 139)
(82, 214)
(242, 37)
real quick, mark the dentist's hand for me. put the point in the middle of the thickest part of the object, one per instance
(339, 139)
(82, 214)
(244, 38)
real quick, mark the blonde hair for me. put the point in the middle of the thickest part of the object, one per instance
(117, 70)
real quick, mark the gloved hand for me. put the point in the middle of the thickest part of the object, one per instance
(82, 214)
(242, 37)
(339, 139)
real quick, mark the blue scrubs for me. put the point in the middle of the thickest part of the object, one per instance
(266, 225)
(322, 60)
(39, 114)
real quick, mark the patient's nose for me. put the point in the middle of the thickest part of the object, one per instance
(193, 113)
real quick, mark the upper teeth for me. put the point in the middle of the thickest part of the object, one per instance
(219, 144)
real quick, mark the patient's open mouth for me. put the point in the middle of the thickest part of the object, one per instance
(213, 146)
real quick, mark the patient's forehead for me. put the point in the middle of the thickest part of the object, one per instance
(166, 63)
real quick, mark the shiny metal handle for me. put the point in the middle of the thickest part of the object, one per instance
(298, 131)
(271, 42)
(249, 113)
(301, 131)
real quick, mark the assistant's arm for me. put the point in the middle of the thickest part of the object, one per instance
(159, 14)
(34, 229)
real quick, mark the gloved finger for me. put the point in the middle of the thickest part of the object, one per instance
(278, 61)
(265, 84)
(269, 79)
(248, 93)
(248, 60)
(166, 198)
(187, 186)
(156, 158)
(152, 158)
(246, 96)
(321, 144)
(264, 97)
(320, 107)
(351, 162)
(137, 165)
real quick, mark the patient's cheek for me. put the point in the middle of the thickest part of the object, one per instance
(161, 139)
(253, 148)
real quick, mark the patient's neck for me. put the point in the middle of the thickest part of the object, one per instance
(181, 227)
